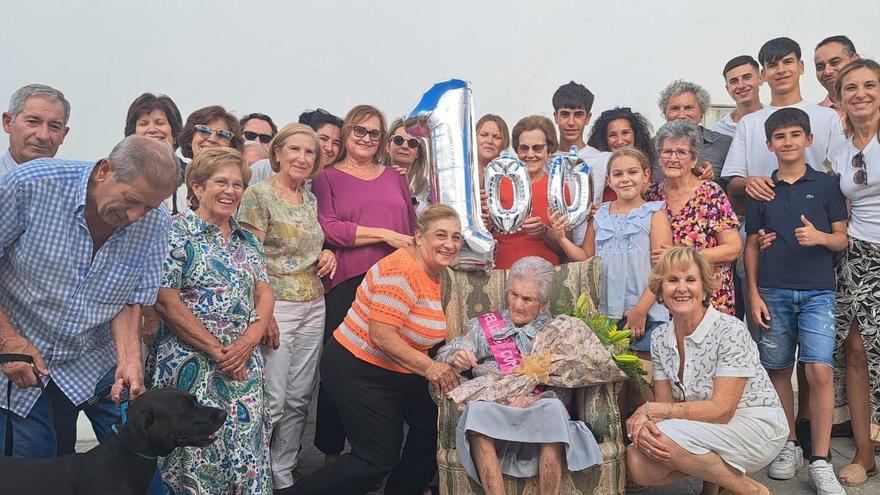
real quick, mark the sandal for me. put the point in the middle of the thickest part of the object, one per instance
(856, 472)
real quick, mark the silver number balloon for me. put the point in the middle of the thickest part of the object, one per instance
(507, 166)
(445, 115)
(569, 170)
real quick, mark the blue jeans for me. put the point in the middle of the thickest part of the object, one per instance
(644, 343)
(801, 319)
(49, 430)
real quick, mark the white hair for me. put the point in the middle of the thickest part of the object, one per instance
(537, 270)
(679, 87)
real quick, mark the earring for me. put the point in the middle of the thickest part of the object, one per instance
(418, 243)
(659, 300)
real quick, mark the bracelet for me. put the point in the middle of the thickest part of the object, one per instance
(429, 368)
(648, 412)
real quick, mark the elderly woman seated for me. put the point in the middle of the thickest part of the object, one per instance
(716, 414)
(528, 435)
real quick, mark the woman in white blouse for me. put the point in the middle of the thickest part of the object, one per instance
(716, 415)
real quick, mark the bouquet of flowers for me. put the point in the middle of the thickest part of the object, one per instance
(565, 353)
(615, 340)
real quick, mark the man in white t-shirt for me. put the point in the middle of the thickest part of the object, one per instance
(572, 104)
(831, 55)
(742, 80)
(749, 162)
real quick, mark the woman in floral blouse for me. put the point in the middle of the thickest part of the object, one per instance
(283, 214)
(700, 213)
(216, 303)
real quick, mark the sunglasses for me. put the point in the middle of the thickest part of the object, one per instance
(253, 136)
(411, 142)
(536, 148)
(360, 132)
(861, 175)
(207, 131)
(616, 112)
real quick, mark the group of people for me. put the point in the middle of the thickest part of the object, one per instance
(265, 257)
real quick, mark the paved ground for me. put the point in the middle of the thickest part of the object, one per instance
(311, 459)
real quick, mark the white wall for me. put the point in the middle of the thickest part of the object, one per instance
(283, 57)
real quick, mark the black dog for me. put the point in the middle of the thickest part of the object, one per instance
(158, 422)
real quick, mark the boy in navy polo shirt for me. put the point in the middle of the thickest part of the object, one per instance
(791, 287)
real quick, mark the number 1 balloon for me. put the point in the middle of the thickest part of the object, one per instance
(445, 115)
(507, 166)
(569, 170)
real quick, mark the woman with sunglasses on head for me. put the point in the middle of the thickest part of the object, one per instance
(620, 128)
(534, 140)
(407, 156)
(857, 162)
(366, 213)
(327, 126)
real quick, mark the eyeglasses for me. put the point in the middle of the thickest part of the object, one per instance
(224, 184)
(536, 148)
(411, 142)
(253, 136)
(680, 154)
(207, 131)
(323, 114)
(360, 132)
(861, 175)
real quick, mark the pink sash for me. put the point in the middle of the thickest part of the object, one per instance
(504, 350)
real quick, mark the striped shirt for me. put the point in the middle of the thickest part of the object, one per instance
(55, 293)
(395, 291)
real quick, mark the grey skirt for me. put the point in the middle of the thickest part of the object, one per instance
(519, 433)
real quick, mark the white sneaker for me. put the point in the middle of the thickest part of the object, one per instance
(822, 478)
(787, 463)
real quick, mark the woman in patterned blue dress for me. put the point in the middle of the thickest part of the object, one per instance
(215, 302)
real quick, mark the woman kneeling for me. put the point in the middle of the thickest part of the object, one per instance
(716, 415)
(528, 436)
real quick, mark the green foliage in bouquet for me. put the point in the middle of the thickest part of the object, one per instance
(616, 340)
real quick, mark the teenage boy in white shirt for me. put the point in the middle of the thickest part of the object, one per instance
(742, 80)
(749, 163)
(572, 104)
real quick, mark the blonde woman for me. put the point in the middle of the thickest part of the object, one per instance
(283, 215)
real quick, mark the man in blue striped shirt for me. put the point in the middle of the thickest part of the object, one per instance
(81, 250)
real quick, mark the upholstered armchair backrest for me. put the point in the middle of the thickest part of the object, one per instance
(466, 295)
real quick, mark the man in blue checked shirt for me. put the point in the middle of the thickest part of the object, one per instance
(81, 250)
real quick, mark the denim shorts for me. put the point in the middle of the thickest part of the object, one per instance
(644, 343)
(800, 320)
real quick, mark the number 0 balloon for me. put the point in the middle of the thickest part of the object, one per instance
(508, 166)
(570, 170)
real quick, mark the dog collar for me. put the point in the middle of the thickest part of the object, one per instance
(143, 456)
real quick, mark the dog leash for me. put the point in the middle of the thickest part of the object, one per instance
(123, 418)
(15, 358)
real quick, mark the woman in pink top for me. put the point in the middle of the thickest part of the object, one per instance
(366, 213)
